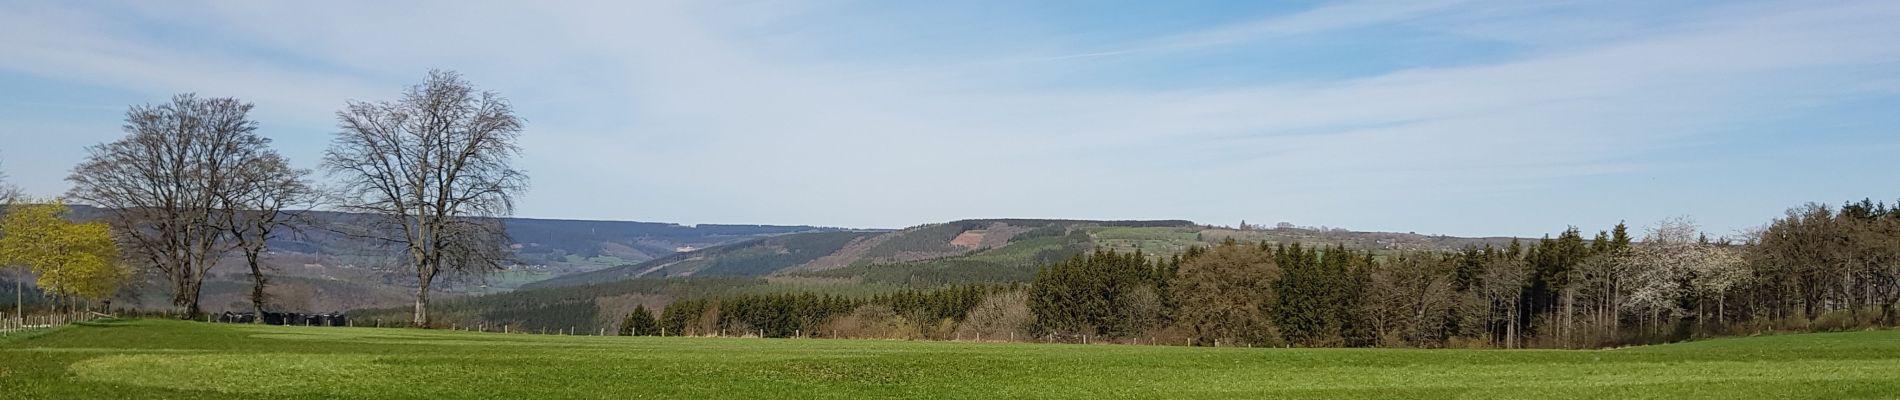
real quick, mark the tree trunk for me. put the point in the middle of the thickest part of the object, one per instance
(1807, 307)
(1510, 330)
(1616, 310)
(1721, 309)
(257, 286)
(1569, 317)
(190, 298)
(422, 305)
(1886, 310)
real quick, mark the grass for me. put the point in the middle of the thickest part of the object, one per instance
(172, 359)
(1155, 241)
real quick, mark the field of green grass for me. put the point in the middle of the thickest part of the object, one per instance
(171, 359)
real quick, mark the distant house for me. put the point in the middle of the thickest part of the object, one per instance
(683, 249)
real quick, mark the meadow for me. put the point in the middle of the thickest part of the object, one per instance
(139, 359)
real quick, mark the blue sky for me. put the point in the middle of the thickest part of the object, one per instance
(1455, 117)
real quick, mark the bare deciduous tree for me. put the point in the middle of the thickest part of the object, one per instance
(1503, 285)
(434, 169)
(1227, 294)
(999, 316)
(167, 186)
(260, 206)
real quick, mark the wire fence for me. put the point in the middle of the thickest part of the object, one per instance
(15, 324)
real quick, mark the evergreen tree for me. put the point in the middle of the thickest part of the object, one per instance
(639, 323)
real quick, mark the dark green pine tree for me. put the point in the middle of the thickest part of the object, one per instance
(640, 323)
(1309, 294)
(1620, 236)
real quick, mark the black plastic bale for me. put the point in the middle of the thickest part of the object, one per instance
(285, 318)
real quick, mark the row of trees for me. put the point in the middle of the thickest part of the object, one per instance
(1817, 268)
(913, 313)
(1289, 294)
(1100, 294)
(1818, 260)
(193, 182)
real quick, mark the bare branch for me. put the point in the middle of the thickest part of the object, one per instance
(434, 169)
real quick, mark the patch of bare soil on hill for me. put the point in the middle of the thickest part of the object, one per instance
(969, 239)
(995, 235)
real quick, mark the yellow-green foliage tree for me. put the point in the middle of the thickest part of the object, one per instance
(73, 259)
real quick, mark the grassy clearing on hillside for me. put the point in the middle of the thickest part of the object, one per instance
(170, 359)
(1158, 241)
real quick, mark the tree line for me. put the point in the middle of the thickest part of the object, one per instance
(911, 313)
(1817, 268)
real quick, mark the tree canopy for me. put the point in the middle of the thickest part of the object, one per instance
(72, 259)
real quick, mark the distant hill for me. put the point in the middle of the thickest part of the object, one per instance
(861, 263)
(818, 253)
(981, 250)
(322, 269)
(757, 257)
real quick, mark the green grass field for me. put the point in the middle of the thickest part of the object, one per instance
(185, 360)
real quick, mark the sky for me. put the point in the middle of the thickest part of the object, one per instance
(1445, 117)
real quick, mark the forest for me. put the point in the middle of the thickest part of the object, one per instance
(1817, 268)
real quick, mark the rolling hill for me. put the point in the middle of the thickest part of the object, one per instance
(826, 253)
(319, 268)
(868, 262)
(978, 250)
